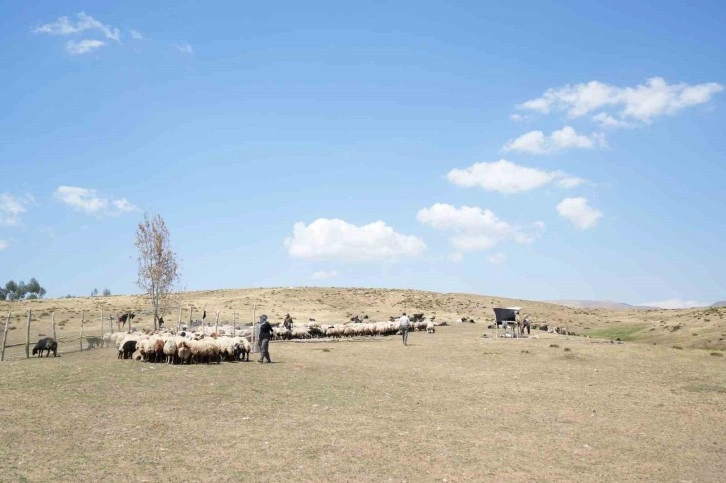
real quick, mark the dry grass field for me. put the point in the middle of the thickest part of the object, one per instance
(452, 405)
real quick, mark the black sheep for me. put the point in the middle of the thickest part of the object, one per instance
(46, 344)
(127, 350)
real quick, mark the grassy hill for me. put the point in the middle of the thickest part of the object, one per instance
(703, 328)
(451, 406)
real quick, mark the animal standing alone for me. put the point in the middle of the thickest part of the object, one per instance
(122, 318)
(46, 344)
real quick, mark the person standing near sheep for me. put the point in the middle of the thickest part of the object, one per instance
(288, 322)
(404, 325)
(265, 335)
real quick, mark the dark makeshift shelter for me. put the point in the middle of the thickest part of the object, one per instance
(505, 315)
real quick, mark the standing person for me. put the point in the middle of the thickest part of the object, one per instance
(404, 324)
(526, 325)
(288, 322)
(265, 335)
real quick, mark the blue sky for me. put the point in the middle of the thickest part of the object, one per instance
(529, 149)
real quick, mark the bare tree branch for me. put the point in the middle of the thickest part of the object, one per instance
(158, 266)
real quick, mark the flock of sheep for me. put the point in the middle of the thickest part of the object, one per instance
(226, 343)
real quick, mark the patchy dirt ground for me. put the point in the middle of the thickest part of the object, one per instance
(703, 328)
(451, 406)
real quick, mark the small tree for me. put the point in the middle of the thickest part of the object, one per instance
(106, 292)
(94, 292)
(158, 267)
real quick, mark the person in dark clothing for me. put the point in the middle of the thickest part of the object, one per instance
(265, 335)
(526, 326)
(288, 322)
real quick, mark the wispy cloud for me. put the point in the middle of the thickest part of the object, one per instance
(184, 48)
(497, 258)
(473, 229)
(579, 212)
(536, 142)
(675, 304)
(64, 26)
(83, 47)
(89, 201)
(641, 103)
(11, 207)
(136, 35)
(324, 275)
(507, 177)
(3, 244)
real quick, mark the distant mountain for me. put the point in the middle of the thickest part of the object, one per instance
(598, 304)
(722, 303)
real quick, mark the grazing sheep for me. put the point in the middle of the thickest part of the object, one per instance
(170, 350)
(243, 349)
(430, 328)
(184, 352)
(127, 349)
(46, 344)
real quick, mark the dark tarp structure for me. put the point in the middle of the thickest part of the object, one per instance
(505, 315)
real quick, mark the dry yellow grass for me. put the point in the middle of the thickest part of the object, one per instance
(693, 328)
(452, 405)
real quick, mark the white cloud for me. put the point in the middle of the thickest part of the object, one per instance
(184, 48)
(136, 35)
(570, 182)
(474, 229)
(456, 257)
(607, 121)
(63, 26)
(579, 212)
(516, 117)
(675, 304)
(497, 258)
(536, 142)
(11, 207)
(123, 205)
(641, 103)
(507, 177)
(3, 244)
(83, 47)
(323, 275)
(335, 239)
(88, 201)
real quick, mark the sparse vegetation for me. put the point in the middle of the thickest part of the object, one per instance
(625, 333)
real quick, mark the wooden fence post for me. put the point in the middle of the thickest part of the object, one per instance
(83, 313)
(216, 324)
(101, 320)
(5, 336)
(178, 326)
(52, 318)
(27, 335)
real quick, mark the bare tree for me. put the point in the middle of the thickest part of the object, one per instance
(158, 266)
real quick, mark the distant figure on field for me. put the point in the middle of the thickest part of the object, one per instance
(405, 324)
(525, 325)
(288, 322)
(265, 334)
